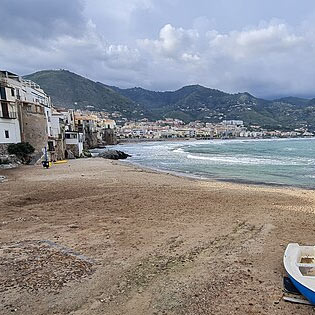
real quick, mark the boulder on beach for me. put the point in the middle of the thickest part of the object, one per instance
(114, 155)
(9, 161)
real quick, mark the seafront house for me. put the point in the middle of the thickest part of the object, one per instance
(35, 118)
(10, 131)
(74, 143)
(96, 131)
(87, 124)
(27, 115)
(25, 111)
(73, 139)
(107, 131)
(56, 137)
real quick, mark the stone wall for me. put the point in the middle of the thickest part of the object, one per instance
(90, 141)
(34, 129)
(60, 149)
(109, 136)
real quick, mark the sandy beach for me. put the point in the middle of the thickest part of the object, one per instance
(94, 236)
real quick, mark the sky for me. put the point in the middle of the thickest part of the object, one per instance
(266, 48)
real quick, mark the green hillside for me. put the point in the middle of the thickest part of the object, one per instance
(200, 103)
(70, 90)
(189, 103)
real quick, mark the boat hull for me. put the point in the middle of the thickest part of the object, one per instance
(299, 263)
(307, 293)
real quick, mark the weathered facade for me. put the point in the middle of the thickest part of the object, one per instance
(33, 126)
(26, 114)
(9, 121)
(96, 131)
(109, 136)
(25, 111)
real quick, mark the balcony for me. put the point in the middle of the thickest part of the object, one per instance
(10, 115)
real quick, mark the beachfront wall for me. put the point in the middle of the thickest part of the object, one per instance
(109, 136)
(60, 147)
(34, 126)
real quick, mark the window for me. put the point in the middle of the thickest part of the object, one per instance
(5, 110)
(12, 92)
(6, 134)
(3, 95)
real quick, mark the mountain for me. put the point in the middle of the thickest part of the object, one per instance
(196, 102)
(70, 90)
(294, 101)
(189, 103)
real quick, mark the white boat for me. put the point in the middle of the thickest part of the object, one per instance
(299, 262)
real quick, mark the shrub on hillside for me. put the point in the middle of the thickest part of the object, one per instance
(22, 150)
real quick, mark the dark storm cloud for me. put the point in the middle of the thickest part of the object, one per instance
(264, 47)
(33, 20)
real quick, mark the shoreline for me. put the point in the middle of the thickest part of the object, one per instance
(213, 179)
(136, 141)
(114, 238)
(274, 180)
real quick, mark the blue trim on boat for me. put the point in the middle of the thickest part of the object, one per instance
(309, 294)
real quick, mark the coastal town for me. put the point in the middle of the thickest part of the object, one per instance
(27, 114)
(157, 157)
(170, 128)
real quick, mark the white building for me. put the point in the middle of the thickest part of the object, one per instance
(74, 142)
(25, 112)
(10, 131)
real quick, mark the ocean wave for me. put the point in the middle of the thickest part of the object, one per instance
(310, 176)
(242, 160)
(179, 150)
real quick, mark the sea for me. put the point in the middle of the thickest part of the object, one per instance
(285, 162)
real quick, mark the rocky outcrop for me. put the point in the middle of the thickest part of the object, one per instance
(9, 161)
(114, 155)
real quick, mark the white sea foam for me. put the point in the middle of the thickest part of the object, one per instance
(288, 161)
(310, 176)
(179, 150)
(242, 160)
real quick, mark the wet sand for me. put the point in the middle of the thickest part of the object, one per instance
(99, 237)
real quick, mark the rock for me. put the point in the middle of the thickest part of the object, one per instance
(86, 154)
(114, 155)
(9, 161)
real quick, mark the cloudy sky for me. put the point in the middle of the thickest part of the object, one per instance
(264, 47)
